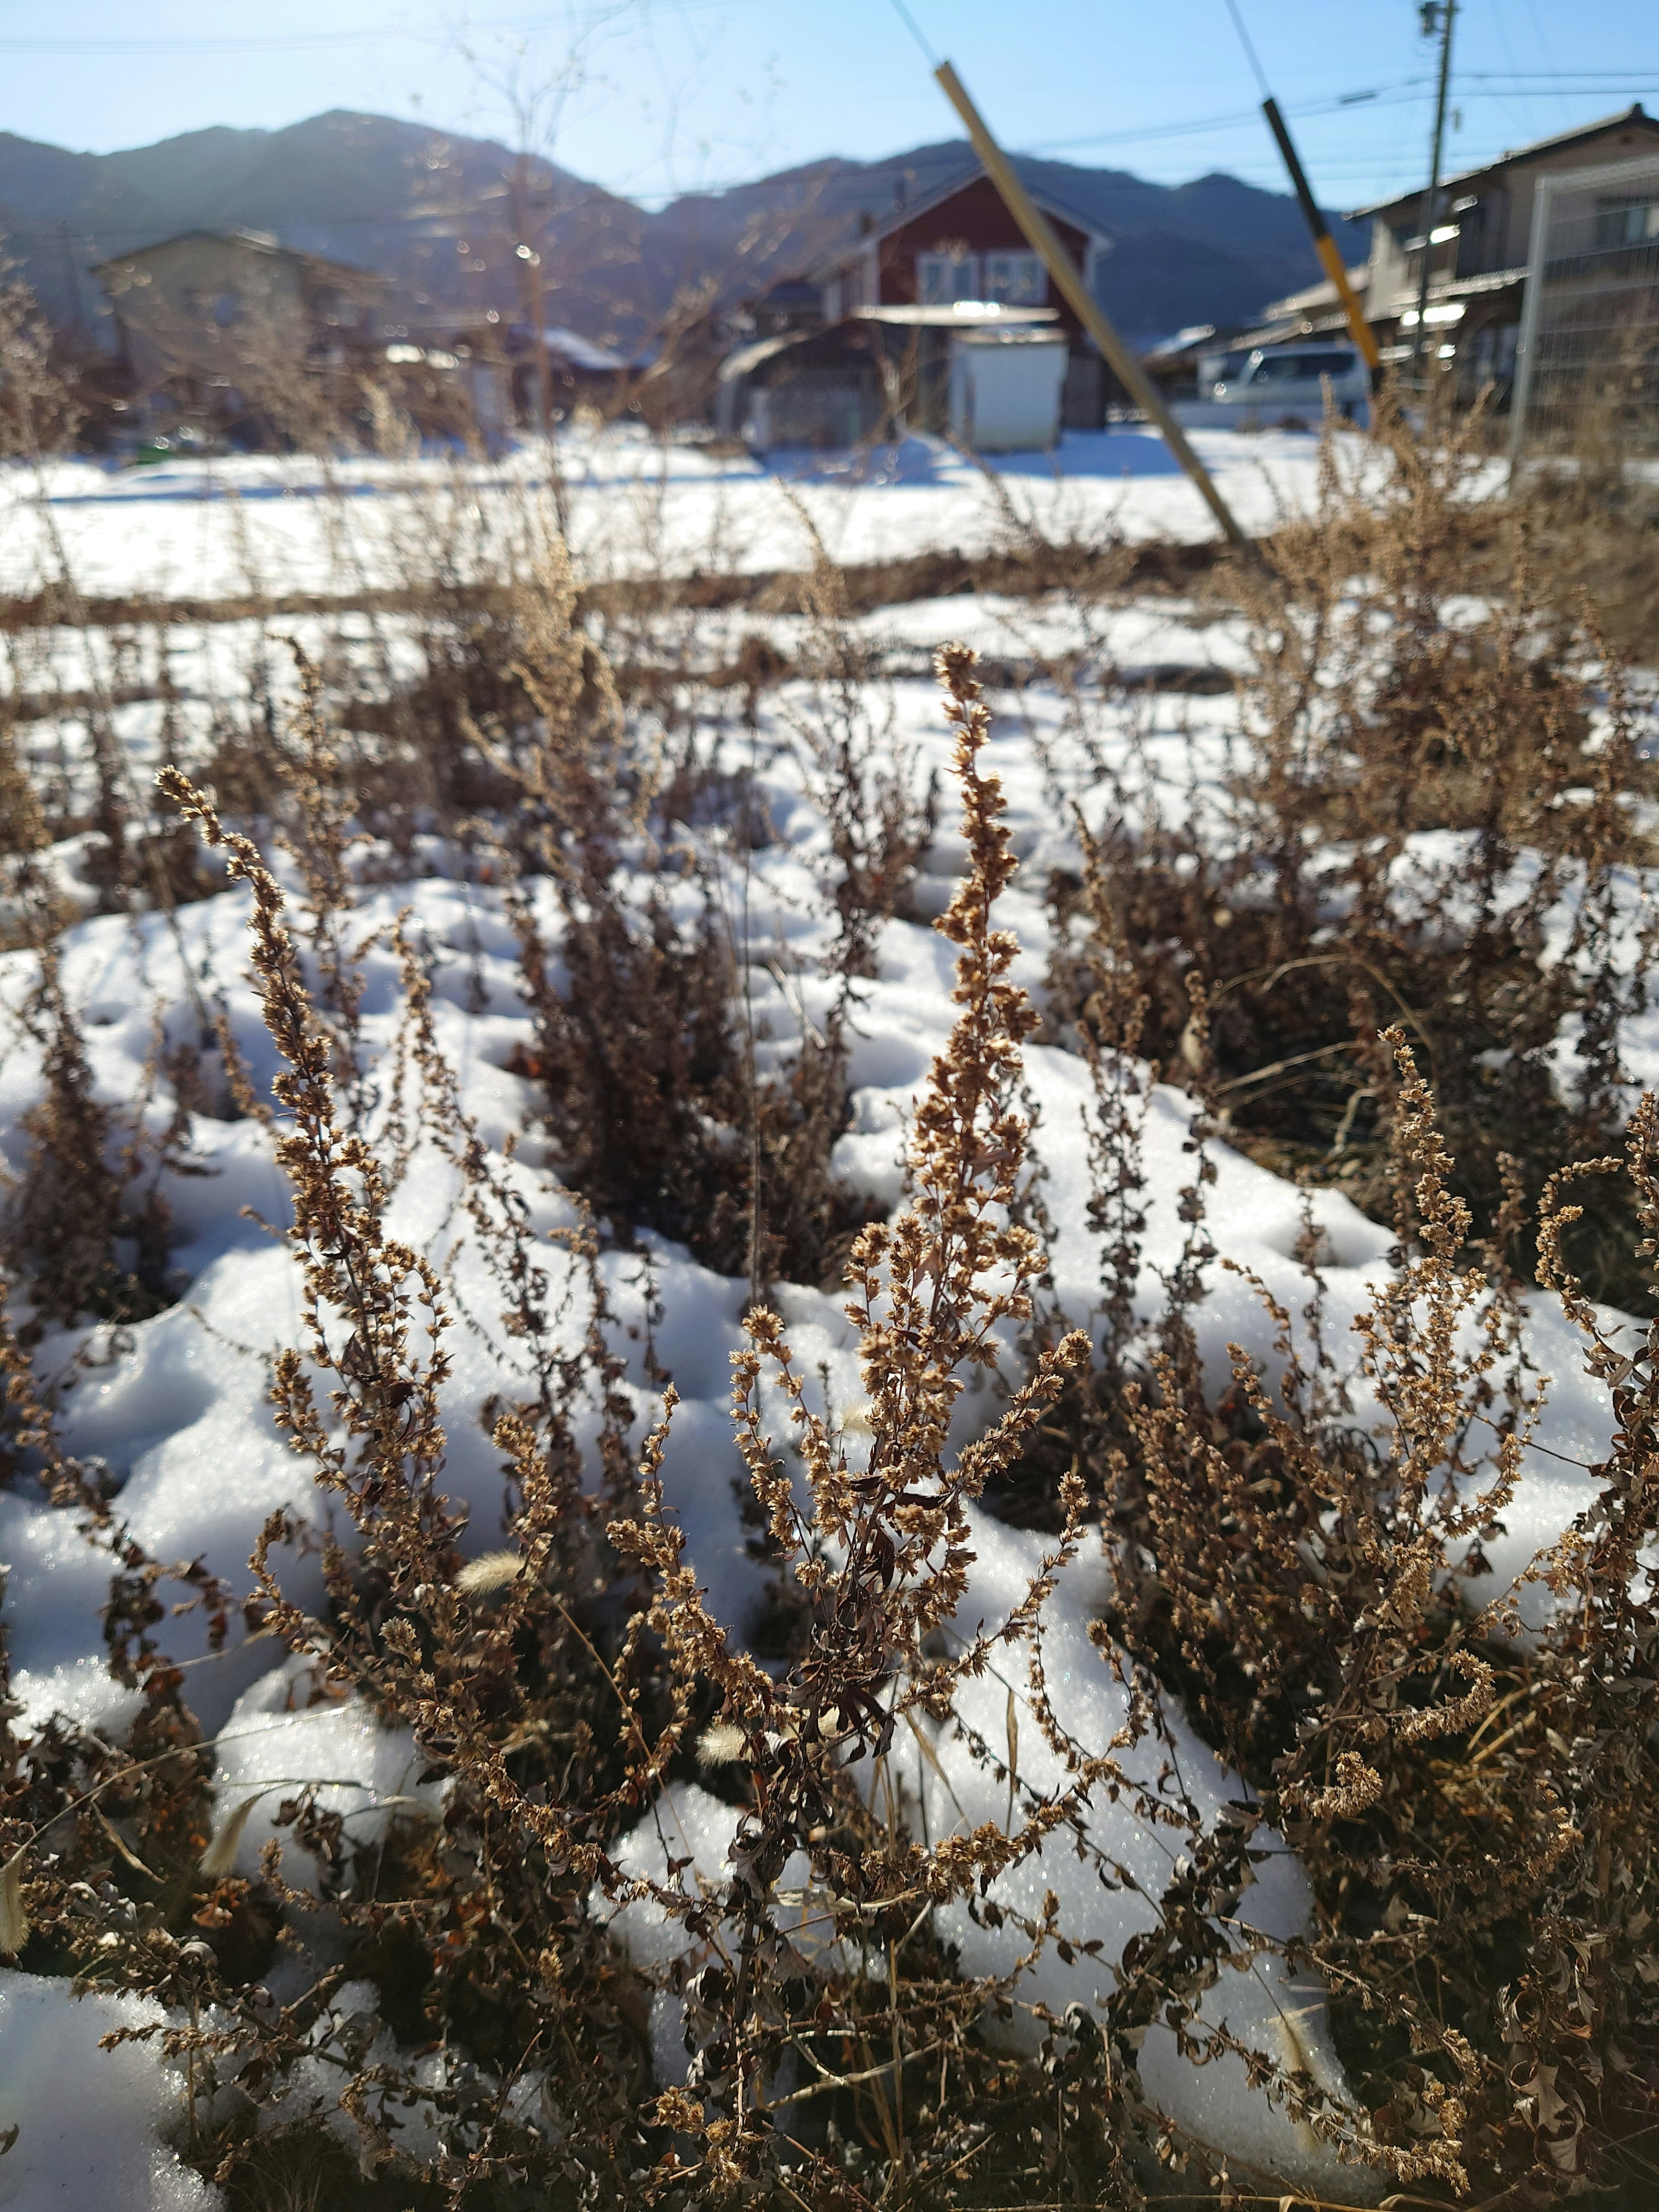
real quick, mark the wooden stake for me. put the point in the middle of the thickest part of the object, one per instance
(1068, 281)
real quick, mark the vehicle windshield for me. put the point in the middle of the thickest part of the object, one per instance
(1215, 368)
(1300, 368)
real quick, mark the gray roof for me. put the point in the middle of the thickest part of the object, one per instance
(251, 241)
(751, 356)
(1636, 113)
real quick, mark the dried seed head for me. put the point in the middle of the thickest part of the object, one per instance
(14, 1917)
(722, 1745)
(219, 1859)
(493, 1571)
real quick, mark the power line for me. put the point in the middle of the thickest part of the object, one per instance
(1245, 40)
(1403, 95)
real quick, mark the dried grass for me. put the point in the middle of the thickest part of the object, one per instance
(1476, 1810)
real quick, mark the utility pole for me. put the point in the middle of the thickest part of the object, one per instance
(1436, 14)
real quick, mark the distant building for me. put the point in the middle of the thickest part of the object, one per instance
(938, 318)
(218, 323)
(580, 371)
(793, 304)
(1477, 251)
(834, 387)
(961, 244)
(990, 376)
(1587, 372)
(495, 361)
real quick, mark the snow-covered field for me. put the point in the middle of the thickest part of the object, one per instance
(216, 529)
(176, 1406)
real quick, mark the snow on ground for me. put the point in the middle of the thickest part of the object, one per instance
(216, 528)
(89, 2122)
(176, 1405)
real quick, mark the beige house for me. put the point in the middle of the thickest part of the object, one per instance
(1478, 252)
(1478, 249)
(223, 322)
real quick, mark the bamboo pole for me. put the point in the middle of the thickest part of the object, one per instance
(1330, 260)
(1069, 280)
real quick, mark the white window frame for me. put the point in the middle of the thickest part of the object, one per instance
(1021, 280)
(965, 275)
(1645, 205)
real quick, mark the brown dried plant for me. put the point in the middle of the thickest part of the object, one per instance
(69, 1215)
(879, 1545)
(1304, 1574)
(500, 1676)
(653, 1101)
(879, 1549)
(1424, 818)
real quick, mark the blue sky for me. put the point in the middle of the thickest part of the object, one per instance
(653, 96)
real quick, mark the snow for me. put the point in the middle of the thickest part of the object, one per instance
(944, 1790)
(291, 1729)
(215, 528)
(89, 2122)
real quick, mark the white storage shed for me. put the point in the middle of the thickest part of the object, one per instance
(1007, 386)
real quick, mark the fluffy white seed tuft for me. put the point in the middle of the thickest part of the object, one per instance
(722, 1745)
(494, 1571)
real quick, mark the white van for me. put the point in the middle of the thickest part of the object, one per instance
(1285, 386)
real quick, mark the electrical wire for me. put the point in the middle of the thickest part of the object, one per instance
(1543, 47)
(1410, 90)
(1258, 73)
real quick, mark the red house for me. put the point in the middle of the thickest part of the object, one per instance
(961, 243)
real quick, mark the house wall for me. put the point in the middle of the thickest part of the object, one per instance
(174, 302)
(1499, 235)
(973, 220)
(203, 307)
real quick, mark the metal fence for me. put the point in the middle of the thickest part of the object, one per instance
(1587, 369)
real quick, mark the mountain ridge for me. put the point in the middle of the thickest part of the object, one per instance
(438, 213)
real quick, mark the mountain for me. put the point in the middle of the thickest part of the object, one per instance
(439, 214)
(422, 207)
(1214, 251)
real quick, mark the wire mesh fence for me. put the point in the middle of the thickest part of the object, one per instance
(1587, 364)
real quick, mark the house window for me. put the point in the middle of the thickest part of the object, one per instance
(222, 308)
(1627, 222)
(1019, 280)
(947, 275)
